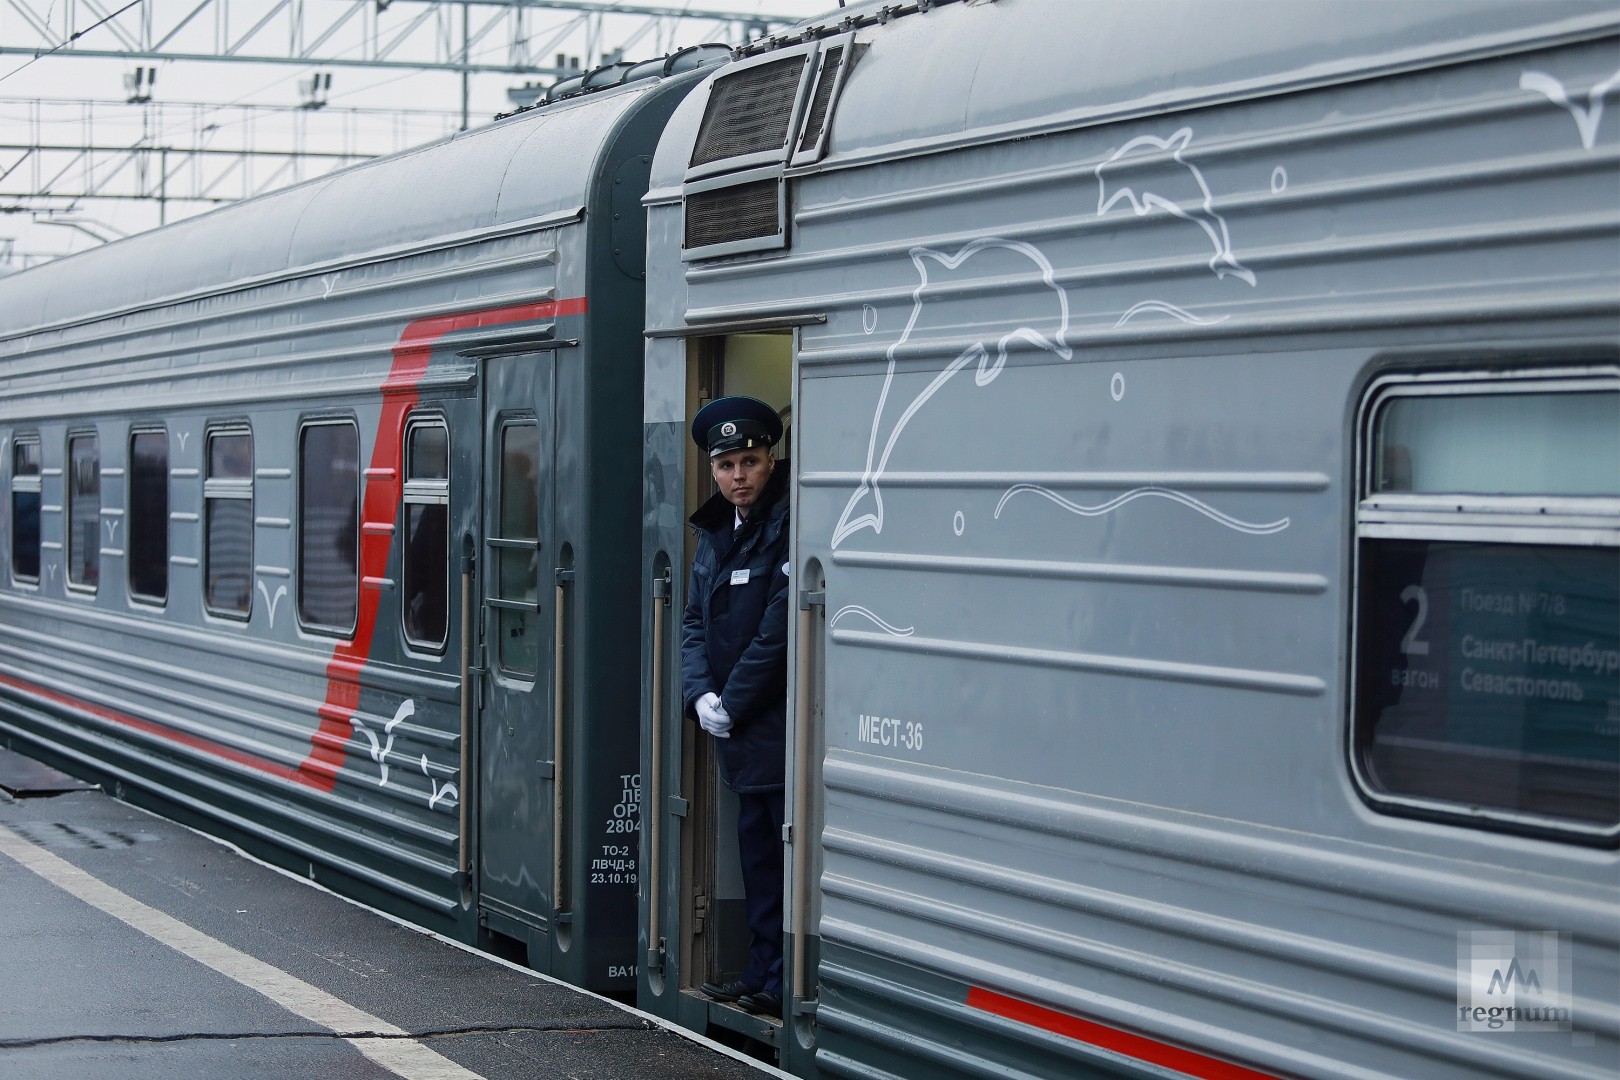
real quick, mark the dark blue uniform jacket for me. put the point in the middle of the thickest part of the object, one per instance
(734, 636)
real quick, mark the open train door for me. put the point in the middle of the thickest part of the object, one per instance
(694, 912)
(519, 873)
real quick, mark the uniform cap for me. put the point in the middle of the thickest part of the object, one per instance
(735, 422)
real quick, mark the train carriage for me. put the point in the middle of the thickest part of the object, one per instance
(321, 519)
(1204, 426)
(1206, 452)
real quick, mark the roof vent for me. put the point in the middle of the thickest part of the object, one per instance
(726, 220)
(750, 112)
(815, 125)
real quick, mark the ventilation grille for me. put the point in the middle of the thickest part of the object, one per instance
(748, 211)
(825, 81)
(749, 112)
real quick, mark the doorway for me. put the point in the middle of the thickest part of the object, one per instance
(715, 945)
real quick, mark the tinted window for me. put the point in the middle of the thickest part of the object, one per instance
(425, 577)
(1490, 675)
(84, 511)
(228, 523)
(1488, 621)
(25, 498)
(517, 550)
(329, 526)
(148, 515)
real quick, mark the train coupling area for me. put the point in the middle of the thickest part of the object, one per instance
(134, 947)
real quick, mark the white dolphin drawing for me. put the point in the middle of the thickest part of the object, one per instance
(888, 423)
(1587, 119)
(1178, 191)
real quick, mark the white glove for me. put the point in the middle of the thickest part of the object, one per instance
(712, 716)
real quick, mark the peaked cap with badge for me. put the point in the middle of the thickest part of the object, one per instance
(734, 423)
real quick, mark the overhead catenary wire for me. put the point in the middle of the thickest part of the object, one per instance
(71, 38)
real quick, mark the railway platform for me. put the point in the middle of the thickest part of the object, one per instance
(134, 947)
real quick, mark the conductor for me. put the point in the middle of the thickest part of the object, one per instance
(734, 662)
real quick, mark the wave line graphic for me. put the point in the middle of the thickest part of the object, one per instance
(1236, 524)
(856, 609)
(1166, 308)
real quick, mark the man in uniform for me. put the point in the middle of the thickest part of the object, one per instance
(734, 662)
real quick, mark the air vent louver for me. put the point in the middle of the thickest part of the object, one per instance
(825, 81)
(725, 215)
(749, 112)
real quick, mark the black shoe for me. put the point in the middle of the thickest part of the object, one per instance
(767, 1002)
(731, 991)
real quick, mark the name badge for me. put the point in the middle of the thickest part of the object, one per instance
(739, 577)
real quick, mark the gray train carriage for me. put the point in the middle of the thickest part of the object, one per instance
(1206, 455)
(320, 520)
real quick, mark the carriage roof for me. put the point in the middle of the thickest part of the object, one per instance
(524, 170)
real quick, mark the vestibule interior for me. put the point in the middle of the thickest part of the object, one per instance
(715, 947)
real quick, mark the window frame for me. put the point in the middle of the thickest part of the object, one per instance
(233, 489)
(130, 517)
(1508, 520)
(423, 492)
(304, 428)
(27, 483)
(73, 586)
(497, 543)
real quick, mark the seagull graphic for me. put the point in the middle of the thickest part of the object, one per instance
(1587, 119)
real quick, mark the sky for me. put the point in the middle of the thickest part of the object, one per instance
(70, 101)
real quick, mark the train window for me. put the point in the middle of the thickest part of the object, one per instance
(517, 550)
(84, 511)
(1487, 642)
(425, 569)
(228, 524)
(25, 499)
(329, 526)
(148, 515)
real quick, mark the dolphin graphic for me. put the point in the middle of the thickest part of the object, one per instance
(888, 423)
(1138, 175)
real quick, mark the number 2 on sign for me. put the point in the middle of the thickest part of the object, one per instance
(1410, 643)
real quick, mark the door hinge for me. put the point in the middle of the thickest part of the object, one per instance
(661, 589)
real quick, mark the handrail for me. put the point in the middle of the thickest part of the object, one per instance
(803, 850)
(557, 770)
(653, 808)
(464, 852)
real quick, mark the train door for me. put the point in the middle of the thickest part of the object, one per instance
(705, 935)
(517, 760)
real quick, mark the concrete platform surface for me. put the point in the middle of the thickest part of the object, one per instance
(133, 947)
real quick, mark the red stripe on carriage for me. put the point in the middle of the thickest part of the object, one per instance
(1140, 1047)
(380, 503)
(184, 738)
